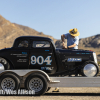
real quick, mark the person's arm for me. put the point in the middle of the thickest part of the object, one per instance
(62, 37)
(71, 46)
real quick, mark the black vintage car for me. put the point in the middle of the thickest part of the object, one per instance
(33, 52)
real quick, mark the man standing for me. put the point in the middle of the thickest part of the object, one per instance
(72, 39)
(72, 43)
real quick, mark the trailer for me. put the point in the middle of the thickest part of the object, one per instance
(41, 82)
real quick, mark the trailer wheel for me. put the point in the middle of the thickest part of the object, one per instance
(4, 65)
(36, 82)
(90, 69)
(9, 82)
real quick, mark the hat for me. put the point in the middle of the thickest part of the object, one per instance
(74, 32)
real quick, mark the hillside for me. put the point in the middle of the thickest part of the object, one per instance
(9, 31)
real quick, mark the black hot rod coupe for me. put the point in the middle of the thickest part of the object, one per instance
(33, 52)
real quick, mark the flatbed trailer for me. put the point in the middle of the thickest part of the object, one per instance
(39, 81)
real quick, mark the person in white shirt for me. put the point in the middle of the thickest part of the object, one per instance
(72, 39)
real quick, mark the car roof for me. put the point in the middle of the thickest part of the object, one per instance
(34, 38)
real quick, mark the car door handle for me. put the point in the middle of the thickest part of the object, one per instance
(50, 53)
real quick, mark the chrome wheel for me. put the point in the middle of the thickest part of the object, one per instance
(1, 66)
(8, 84)
(36, 84)
(90, 70)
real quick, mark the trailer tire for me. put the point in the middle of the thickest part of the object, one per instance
(91, 68)
(9, 81)
(36, 82)
(4, 65)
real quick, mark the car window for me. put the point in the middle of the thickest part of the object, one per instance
(23, 43)
(40, 44)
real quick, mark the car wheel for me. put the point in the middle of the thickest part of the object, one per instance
(4, 65)
(36, 82)
(89, 69)
(9, 82)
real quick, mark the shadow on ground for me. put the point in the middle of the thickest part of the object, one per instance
(62, 94)
(72, 94)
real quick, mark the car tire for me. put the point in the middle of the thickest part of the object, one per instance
(89, 69)
(4, 65)
(9, 81)
(36, 82)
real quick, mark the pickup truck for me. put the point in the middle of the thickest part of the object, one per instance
(33, 52)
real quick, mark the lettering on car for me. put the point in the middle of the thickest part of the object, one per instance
(35, 60)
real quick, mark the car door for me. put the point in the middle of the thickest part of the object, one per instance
(20, 55)
(42, 56)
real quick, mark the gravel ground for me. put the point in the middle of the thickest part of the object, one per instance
(64, 94)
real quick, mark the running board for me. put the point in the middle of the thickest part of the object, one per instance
(75, 82)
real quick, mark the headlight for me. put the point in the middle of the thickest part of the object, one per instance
(95, 57)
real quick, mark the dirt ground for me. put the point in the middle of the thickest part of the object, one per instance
(64, 94)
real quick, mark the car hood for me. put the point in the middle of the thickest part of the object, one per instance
(73, 51)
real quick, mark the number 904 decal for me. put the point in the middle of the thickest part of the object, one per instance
(40, 60)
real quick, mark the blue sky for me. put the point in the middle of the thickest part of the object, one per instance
(54, 17)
